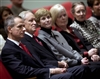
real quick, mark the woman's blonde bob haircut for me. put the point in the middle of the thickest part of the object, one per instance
(41, 12)
(55, 10)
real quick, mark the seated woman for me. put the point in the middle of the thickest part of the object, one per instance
(85, 27)
(4, 13)
(58, 45)
(95, 7)
(60, 19)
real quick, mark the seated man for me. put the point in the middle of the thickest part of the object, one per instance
(22, 63)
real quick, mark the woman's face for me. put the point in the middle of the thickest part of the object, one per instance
(46, 21)
(62, 19)
(96, 8)
(79, 13)
(5, 14)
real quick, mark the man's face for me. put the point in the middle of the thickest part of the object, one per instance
(30, 23)
(17, 31)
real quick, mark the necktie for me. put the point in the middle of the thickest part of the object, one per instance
(38, 40)
(24, 48)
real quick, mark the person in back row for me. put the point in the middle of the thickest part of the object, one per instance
(22, 63)
(57, 44)
(4, 13)
(95, 8)
(17, 7)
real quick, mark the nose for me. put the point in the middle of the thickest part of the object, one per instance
(47, 19)
(24, 29)
(34, 22)
(82, 13)
(9, 15)
(99, 5)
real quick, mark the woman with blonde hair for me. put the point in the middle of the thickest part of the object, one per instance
(60, 20)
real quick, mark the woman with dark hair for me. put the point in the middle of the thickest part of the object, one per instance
(95, 7)
(4, 13)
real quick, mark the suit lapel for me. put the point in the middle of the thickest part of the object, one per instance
(35, 44)
(20, 51)
(39, 47)
(18, 48)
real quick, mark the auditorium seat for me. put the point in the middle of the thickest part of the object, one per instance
(4, 74)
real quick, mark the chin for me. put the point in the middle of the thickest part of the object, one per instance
(33, 30)
(48, 27)
(82, 20)
(22, 37)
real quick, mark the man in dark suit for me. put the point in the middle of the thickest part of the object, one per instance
(46, 56)
(23, 64)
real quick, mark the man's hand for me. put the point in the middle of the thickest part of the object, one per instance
(57, 70)
(95, 58)
(62, 64)
(92, 51)
(85, 61)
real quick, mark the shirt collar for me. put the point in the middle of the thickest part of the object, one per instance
(28, 34)
(16, 42)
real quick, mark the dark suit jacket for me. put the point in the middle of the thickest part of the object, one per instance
(71, 41)
(20, 64)
(46, 56)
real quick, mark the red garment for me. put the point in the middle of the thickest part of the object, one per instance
(24, 48)
(4, 74)
(38, 40)
(78, 42)
(76, 38)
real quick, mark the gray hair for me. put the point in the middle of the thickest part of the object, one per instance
(9, 22)
(24, 13)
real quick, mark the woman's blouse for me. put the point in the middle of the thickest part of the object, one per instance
(89, 31)
(96, 21)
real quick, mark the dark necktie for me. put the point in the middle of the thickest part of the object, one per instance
(38, 40)
(24, 48)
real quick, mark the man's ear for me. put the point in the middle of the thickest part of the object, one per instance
(9, 29)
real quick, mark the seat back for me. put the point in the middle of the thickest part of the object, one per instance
(4, 74)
